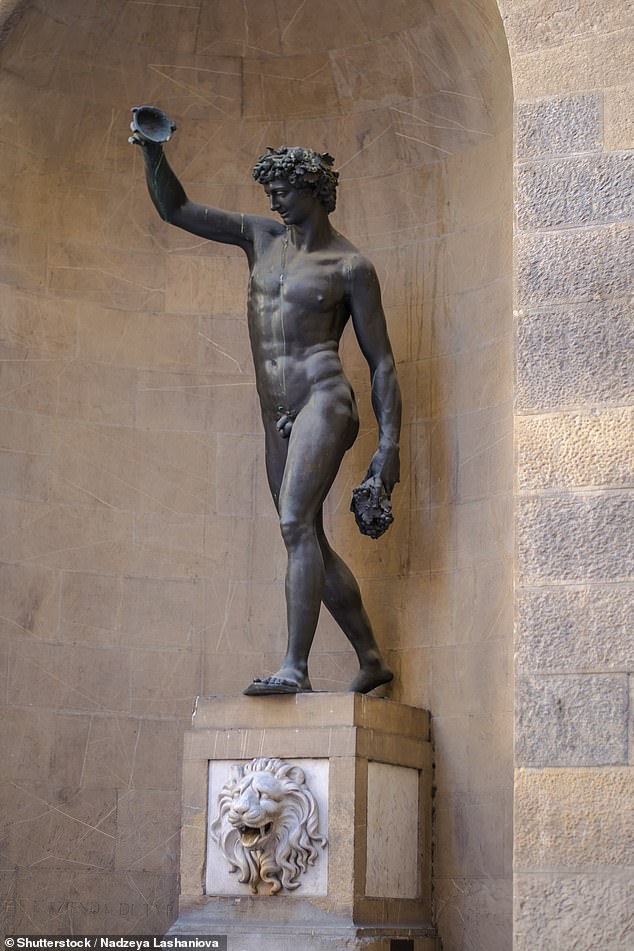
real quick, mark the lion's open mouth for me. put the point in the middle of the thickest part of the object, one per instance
(251, 836)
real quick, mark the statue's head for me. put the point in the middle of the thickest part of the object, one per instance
(302, 169)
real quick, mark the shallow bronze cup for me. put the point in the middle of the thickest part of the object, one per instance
(151, 124)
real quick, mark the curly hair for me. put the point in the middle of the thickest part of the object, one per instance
(301, 168)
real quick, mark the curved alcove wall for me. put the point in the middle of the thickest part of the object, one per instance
(140, 552)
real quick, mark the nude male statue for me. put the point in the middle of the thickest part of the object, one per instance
(306, 280)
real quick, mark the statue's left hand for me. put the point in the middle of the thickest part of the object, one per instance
(386, 465)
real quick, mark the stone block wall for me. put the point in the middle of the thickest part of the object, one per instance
(574, 204)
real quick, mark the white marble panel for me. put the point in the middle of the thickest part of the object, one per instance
(218, 878)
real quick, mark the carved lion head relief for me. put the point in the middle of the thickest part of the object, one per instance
(267, 824)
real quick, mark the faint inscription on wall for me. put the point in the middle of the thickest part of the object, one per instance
(16, 913)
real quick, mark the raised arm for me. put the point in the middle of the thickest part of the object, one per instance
(173, 205)
(370, 327)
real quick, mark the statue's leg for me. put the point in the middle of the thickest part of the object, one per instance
(321, 434)
(300, 471)
(343, 599)
(276, 451)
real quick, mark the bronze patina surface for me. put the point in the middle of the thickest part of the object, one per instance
(306, 282)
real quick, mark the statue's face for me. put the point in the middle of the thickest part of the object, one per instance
(293, 205)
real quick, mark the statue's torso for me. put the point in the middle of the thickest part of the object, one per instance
(297, 310)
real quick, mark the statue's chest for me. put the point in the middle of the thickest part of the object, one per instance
(305, 282)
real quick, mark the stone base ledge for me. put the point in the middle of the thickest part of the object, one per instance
(368, 763)
(307, 937)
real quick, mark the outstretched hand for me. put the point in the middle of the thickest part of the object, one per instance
(137, 139)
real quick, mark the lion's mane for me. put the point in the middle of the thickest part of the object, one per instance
(292, 843)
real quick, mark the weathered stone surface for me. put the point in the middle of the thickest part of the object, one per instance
(591, 61)
(163, 476)
(619, 117)
(148, 825)
(631, 723)
(129, 753)
(582, 720)
(195, 402)
(541, 24)
(471, 834)
(561, 452)
(575, 539)
(575, 191)
(30, 601)
(192, 281)
(457, 674)
(558, 125)
(37, 323)
(569, 357)
(90, 900)
(59, 828)
(571, 818)
(67, 753)
(471, 913)
(577, 265)
(575, 629)
(23, 260)
(180, 673)
(61, 676)
(89, 272)
(479, 762)
(586, 913)
(27, 736)
(9, 15)
(150, 25)
(271, 93)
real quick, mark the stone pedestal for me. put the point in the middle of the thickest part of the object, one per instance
(367, 762)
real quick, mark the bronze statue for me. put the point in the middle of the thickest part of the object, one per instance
(305, 281)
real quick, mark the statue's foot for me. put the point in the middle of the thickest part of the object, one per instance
(371, 677)
(265, 686)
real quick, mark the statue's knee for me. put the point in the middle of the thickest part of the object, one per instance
(295, 530)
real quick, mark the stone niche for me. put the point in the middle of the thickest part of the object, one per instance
(365, 765)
